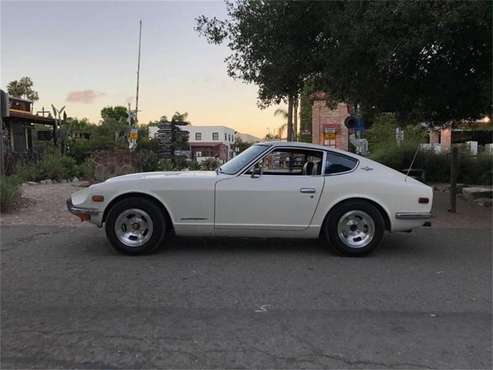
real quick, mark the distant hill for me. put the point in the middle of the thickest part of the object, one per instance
(247, 138)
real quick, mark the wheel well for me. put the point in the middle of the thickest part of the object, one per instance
(139, 195)
(382, 211)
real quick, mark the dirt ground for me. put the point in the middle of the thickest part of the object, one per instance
(45, 205)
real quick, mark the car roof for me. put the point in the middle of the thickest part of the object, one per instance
(299, 144)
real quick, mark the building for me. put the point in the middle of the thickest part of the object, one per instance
(19, 122)
(328, 123)
(208, 141)
(474, 134)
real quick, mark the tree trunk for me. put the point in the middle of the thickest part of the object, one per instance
(295, 120)
(290, 118)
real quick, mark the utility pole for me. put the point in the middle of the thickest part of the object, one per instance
(138, 74)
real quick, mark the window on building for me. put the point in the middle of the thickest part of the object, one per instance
(198, 136)
(225, 137)
(292, 162)
(337, 163)
(215, 136)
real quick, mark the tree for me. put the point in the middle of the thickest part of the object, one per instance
(180, 118)
(306, 113)
(22, 88)
(240, 145)
(267, 40)
(114, 114)
(424, 60)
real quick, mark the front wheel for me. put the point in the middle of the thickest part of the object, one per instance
(354, 228)
(135, 226)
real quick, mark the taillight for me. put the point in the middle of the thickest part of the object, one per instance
(423, 200)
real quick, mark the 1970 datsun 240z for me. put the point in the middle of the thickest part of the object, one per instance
(272, 189)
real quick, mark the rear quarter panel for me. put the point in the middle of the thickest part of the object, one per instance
(380, 184)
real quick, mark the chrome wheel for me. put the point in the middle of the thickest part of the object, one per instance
(133, 227)
(356, 229)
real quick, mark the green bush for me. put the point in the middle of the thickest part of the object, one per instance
(148, 160)
(55, 167)
(209, 164)
(86, 170)
(194, 165)
(167, 165)
(10, 192)
(476, 170)
(473, 170)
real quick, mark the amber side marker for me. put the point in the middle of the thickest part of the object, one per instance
(97, 198)
(424, 200)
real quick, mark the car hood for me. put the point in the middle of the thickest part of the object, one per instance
(163, 175)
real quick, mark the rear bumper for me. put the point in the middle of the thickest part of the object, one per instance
(413, 215)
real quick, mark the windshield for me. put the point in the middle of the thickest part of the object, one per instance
(237, 163)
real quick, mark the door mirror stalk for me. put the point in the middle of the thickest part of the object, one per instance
(256, 171)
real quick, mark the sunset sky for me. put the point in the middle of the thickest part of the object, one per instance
(84, 55)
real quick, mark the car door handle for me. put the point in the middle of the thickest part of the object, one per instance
(308, 190)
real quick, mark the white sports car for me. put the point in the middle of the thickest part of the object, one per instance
(272, 189)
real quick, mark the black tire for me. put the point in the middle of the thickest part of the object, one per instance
(151, 209)
(356, 208)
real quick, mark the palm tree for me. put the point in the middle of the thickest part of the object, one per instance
(283, 127)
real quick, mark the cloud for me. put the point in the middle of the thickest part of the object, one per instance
(84, 96)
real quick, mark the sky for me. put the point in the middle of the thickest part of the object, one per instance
(84, 55)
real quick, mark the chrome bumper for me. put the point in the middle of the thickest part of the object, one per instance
(80, 210)
(413, 215)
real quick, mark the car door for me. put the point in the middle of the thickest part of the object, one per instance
(283, 197)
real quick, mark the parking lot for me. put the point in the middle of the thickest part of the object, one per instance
(423, 300)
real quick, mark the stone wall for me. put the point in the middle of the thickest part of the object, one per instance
(109, 163)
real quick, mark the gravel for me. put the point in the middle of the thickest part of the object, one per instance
(44, 204)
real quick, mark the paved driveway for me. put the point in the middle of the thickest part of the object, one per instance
(423, 300)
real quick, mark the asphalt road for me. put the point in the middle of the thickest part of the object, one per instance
(423, 300)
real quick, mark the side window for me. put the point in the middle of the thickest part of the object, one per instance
(292, 162)
(337, 163)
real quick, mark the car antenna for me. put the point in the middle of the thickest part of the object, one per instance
(412, 163)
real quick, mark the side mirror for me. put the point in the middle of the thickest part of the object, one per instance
(256, 171)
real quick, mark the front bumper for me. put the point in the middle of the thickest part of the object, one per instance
(82, 212)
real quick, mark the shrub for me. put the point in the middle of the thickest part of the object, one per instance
(209, 164)
(87, 170)
(10, 192)
(56, 167)
(194, 165)
(148, 160)
(167, 165)
(472, 170)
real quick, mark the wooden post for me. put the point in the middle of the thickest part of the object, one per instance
(453, 179)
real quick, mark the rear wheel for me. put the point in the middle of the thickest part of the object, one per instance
(354, 228)
(135, 226)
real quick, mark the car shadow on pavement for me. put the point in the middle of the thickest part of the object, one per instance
(392, 244)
